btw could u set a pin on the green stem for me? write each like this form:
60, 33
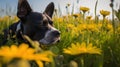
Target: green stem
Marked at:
96, 10
83, 16
82, 62
103, 23
53, 62
103, 19
113, 24
88, 40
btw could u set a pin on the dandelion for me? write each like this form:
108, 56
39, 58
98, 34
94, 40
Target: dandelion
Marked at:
99, 25
89, 17
109, 27
76, 15
78, 49
5, 19
64, 17
25, 53
82, 27
68, 4
92, 27
104, 13
73, 30
60, 19
84, 9
70, 26
15, 18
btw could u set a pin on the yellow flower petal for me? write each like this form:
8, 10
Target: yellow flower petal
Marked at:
84, 9
104, 12
40, 64
82, 48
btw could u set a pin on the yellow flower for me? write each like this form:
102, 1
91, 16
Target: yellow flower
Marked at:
82, 26
15, 18
5, 18
89, 17
60, 20
118, 30
76, 15
77, 49
25, 52
70, 26
92, 27
64, 17
109, 27
40, 64
84, 9
68, 4
73, 30
104, 13
99, 25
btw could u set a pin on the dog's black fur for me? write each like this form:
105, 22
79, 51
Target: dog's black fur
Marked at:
38, 26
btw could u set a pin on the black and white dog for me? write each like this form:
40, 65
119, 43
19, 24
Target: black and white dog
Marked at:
38, 26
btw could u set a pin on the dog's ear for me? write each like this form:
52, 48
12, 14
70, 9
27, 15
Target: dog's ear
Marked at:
49, 9
23, 9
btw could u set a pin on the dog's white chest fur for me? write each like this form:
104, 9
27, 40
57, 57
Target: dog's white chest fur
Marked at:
18, 26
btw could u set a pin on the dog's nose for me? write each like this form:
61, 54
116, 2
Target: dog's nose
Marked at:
56, 33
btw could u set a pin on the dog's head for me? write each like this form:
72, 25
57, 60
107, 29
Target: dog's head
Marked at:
38, 26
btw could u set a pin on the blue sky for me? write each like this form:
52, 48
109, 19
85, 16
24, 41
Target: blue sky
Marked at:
39, 5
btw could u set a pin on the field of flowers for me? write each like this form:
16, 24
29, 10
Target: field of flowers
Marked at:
85, 42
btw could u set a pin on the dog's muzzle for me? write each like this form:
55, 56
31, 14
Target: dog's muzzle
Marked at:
52, 36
